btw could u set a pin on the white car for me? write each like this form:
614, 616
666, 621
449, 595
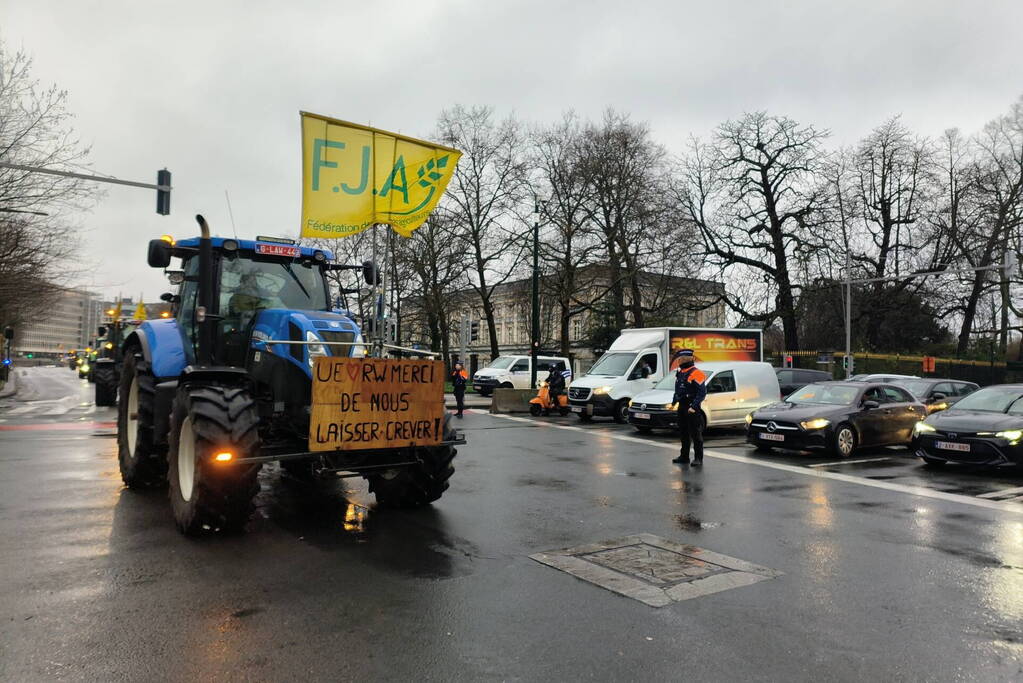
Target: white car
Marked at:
513, 372
734, 390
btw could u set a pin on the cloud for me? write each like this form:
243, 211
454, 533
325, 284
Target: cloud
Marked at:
212, 91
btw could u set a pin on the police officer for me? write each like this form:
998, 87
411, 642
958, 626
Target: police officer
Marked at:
459, 378
690, 390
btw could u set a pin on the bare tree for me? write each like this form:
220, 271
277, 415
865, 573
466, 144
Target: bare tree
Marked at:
625, 169
433, 263
757, 195
485, 197
997, 179
35, 250
569, 242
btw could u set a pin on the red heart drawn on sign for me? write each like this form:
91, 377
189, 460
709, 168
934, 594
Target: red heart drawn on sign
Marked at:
353, 370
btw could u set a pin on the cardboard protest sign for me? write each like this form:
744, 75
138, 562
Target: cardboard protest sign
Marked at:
371, 403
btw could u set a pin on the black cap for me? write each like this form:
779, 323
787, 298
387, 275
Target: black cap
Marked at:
685, 353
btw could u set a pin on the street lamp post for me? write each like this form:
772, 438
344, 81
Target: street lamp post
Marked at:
535, 333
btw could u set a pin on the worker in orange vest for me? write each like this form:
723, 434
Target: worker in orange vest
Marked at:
459, 378
690, 390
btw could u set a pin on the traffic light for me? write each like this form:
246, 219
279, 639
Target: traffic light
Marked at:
163, 178
788, 361
847, 363
474, 330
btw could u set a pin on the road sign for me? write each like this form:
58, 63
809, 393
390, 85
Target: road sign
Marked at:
371, 403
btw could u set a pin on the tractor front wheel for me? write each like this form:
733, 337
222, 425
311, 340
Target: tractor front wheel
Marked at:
206, 493
420, 484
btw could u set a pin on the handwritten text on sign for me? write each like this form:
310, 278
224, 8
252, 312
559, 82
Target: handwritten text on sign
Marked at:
368, 403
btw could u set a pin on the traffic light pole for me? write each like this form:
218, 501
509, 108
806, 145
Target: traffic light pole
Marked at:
162, 185
1007, 266
535, 347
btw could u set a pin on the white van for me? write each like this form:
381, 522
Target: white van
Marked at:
513, 372
640, 357
734, 390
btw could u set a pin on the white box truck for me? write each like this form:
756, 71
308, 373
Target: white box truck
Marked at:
640, 357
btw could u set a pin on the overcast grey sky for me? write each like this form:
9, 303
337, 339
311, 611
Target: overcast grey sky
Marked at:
212, 90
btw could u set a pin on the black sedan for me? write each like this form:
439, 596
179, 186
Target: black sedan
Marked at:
837, 416
937, 394
984, 428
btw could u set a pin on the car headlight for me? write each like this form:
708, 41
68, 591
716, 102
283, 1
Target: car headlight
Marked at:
749, 418
819, 423
631, 402
922, 428
671, 406
1012, 435
603, 390
315, 350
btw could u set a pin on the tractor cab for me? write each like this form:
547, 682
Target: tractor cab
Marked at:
261, 291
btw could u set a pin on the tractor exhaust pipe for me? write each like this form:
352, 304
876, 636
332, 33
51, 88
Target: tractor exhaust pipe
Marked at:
203, 311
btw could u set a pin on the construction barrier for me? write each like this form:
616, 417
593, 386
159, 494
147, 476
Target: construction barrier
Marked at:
511, 400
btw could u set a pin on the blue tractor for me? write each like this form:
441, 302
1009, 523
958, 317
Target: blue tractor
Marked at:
210, 395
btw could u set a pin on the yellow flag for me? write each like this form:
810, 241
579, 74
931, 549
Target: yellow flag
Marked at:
354, 176
140, 311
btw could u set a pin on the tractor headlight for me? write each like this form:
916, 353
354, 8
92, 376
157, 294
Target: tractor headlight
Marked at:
85, 367
819, 423
315, 350
922, 428
358, 350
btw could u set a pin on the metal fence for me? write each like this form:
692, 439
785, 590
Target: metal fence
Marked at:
981, 372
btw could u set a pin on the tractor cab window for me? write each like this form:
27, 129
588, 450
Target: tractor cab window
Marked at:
248, 285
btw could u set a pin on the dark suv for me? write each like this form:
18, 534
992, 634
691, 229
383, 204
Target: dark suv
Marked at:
790, 379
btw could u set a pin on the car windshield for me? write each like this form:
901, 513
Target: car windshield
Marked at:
917, 387
828, 394
612, 364
249, 285
993, 400
502, 362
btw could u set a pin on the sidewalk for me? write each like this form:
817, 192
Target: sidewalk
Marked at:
471, 401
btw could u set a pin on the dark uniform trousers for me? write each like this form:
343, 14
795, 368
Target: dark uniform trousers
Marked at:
690, 430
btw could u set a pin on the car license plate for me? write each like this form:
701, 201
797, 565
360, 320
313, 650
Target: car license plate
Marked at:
949, 446
772, 437
641, 416
577, 409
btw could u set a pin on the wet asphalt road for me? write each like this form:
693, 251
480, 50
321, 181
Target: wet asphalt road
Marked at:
890, 572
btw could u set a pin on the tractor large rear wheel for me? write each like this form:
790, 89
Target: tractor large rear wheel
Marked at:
420, 484
142, 465
106, 383
205, 493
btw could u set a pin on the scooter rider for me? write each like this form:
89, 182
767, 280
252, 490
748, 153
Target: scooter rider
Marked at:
555, 384
690, 390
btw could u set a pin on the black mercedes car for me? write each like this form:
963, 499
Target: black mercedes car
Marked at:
984, 428
837, 416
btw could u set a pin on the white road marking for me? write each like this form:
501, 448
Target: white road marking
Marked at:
1003, 506
1004, 493
849, 462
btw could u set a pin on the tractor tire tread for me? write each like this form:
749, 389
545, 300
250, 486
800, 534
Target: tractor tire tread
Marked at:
147, 466
221, 417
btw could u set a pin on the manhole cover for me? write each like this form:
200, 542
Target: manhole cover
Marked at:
654, 570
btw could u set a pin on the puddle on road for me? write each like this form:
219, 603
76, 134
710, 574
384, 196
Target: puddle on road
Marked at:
687, 521
549, 483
